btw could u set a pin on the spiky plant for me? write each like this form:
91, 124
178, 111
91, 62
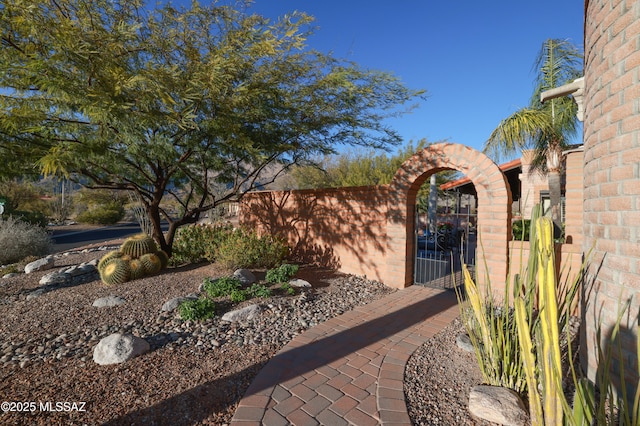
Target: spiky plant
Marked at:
117, 271
116, 254
164, 258
138, 245
137, 269
151, 262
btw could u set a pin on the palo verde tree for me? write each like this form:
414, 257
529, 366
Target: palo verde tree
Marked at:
170, 103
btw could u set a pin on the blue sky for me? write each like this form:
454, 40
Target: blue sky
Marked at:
475, 59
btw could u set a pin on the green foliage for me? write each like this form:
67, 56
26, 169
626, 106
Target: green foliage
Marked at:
287, 289
246, 249
168, 102
197, 310
521, 229
282, 273
138, 245
222, 286
195, 243
32, 218
102, 215
115, 272
238, 296
258, 290
19, 240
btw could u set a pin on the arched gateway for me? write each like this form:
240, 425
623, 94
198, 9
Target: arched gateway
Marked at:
368, 230
494, 210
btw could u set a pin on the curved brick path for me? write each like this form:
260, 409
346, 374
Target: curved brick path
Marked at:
350, 369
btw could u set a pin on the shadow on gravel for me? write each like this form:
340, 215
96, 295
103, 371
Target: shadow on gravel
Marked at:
222, 394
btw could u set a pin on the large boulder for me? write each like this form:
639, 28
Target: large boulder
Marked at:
498, 405
243, 314
39, 265
118, 348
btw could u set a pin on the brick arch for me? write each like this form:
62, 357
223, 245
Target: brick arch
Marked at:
494, 210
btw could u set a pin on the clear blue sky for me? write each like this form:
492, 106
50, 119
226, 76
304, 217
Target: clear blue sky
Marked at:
475, 59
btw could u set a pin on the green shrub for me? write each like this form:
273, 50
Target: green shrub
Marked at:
222, 286
287, 289
238, 296
195, 243
258, 290
197, 309
282, 273
31, 217
107, 214
246, 249
19, 239
521, 229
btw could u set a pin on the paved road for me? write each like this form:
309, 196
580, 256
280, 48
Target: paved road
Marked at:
64, 240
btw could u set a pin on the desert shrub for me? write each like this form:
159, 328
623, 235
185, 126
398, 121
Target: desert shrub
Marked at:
222, 286
197, 309
238, 296
258, 290
106, 214
287, 289
282, 273
195, 243
247, 249
19, 239
31, 217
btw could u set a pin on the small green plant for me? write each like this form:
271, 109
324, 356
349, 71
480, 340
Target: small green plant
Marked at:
238, 296
197, 309
521, 229
281, 274
222, 286
287, 289
259, 290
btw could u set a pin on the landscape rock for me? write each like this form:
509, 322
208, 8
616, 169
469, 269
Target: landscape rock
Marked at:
39, 265
55, 278
108, 301
11, 275
243, 314
296, 282
36, 293
118, 348
245, 276
497, 404
464, 342
172, 304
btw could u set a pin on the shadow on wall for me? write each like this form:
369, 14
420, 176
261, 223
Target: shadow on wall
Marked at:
340, 228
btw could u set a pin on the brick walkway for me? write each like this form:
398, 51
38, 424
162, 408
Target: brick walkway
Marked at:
350, 369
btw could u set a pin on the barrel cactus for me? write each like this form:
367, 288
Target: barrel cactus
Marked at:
138, 245
116, 254
117, 271
151, 262
164, 258
137, 269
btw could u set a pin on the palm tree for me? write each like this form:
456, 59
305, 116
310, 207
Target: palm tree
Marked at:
544, 127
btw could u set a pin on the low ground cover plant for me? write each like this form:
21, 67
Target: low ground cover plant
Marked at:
197, 309
282, 273
222, 286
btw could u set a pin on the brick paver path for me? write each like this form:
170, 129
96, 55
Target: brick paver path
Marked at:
348, 370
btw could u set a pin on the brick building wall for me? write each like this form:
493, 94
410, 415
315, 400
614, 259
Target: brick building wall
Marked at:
612, 172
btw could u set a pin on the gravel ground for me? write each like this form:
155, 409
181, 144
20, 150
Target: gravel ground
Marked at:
195, 372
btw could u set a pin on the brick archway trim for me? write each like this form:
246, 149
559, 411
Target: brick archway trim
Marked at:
494, 211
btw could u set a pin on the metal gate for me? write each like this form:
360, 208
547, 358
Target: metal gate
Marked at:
442, 248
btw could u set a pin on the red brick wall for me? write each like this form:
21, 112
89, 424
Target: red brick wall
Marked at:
369, 230
612, 170
343, 228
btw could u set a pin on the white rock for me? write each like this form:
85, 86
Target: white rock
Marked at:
108, 301
11, 275
243, 314
296, 282
497, 404
172, 304
245, 276
464, 342
39, 265
36, 293
117, 348
55, 278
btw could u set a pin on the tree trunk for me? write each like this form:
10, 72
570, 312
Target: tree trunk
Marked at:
553, 177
